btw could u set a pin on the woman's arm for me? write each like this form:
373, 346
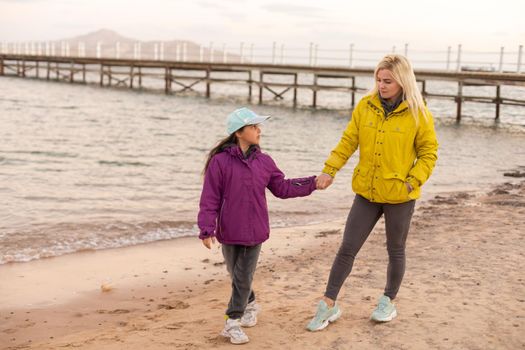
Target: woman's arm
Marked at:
345, 148
426, 145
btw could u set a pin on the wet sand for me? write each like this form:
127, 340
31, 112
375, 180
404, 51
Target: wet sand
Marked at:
464, 288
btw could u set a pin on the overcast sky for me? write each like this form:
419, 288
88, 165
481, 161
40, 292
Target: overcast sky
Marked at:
330, 23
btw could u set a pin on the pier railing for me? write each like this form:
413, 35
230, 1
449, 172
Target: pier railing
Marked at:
452, 58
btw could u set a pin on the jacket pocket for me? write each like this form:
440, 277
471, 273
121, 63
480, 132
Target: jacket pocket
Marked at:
393, 188
370, 122
360, 180
397, 130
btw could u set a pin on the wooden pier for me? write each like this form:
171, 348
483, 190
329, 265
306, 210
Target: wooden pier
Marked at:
130, 74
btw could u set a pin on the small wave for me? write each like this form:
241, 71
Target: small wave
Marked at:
11, 100
100, 238
49, 170
12, 161
46, 153
55, 154
50, 199
160, 118
101, 185
120, 163
198, 149
53, 107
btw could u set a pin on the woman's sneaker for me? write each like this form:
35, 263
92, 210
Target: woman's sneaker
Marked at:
323, 316
249, 319
385, 310
232, 329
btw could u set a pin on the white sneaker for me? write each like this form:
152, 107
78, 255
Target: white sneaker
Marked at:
232, 329
249, 319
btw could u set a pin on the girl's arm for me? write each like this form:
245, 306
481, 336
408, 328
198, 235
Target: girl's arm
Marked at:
289, 188
210, 202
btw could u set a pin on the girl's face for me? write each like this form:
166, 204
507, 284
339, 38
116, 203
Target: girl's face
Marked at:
250, 135
388, 88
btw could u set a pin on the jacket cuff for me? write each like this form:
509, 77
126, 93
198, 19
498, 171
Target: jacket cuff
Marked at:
413, 182
330, 170
206, 234
313, 184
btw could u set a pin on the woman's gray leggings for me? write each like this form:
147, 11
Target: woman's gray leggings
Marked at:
361, 220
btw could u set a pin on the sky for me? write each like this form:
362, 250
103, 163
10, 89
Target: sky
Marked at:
329, 23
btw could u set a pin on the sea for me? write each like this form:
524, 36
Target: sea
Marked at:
85, 168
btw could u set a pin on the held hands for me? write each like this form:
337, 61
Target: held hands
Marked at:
208, 242
323, 181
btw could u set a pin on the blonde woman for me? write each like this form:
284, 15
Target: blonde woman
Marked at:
394, 132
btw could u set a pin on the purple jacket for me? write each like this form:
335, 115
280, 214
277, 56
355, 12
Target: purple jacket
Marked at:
233, 201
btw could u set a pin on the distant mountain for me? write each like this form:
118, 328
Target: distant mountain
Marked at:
103, 35
112, 44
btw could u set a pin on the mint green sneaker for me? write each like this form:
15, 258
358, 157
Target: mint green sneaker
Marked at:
323, 316
385, 310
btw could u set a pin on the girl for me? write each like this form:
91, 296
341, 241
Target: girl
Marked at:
233, 210
394, 132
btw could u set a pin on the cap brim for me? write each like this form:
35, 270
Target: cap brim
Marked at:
258, 120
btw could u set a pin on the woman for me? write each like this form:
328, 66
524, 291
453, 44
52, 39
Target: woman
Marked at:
394, 132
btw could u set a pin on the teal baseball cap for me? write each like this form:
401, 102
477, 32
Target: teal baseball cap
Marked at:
242, 117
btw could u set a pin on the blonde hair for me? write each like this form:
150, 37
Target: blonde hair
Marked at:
402, 72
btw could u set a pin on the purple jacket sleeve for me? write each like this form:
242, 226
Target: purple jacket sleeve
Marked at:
289, 188
211, 198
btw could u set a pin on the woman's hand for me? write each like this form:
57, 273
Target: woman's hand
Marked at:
208, 242
323, 181
409, 187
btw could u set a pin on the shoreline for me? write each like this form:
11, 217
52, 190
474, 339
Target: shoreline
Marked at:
426, 196
461, 289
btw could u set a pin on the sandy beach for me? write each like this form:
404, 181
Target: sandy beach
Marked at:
464, 288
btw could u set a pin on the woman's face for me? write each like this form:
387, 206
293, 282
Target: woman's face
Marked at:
250, 134
388, 88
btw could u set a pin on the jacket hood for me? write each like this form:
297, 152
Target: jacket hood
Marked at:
234, 150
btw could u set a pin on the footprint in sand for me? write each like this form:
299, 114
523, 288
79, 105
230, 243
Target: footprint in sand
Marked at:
177, 305
217, 340
176, 325
27, 325
113, 312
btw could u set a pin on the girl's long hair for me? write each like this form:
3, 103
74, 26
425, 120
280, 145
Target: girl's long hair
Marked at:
403, 74
231, 139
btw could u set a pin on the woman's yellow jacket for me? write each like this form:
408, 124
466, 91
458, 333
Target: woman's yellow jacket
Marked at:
393, 149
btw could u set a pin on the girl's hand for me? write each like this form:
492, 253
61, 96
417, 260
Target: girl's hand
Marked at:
323, 181
208, 242
409, 187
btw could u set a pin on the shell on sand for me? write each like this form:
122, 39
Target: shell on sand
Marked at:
106, 287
